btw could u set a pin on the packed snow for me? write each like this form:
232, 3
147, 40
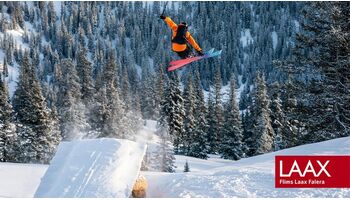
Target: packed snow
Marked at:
93, 168
20, 180
250, 177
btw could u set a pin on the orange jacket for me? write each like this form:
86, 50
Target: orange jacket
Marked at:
181, 47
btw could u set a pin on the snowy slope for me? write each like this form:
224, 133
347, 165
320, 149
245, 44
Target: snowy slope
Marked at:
250, 177
71, 173
93, 168
20, 180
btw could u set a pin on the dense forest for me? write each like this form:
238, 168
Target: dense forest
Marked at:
77, 70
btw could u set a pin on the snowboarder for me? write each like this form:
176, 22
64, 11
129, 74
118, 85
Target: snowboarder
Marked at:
180, 38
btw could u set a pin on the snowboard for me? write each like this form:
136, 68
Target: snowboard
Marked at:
176, 64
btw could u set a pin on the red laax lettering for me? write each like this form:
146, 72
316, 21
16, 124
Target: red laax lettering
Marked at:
312, 171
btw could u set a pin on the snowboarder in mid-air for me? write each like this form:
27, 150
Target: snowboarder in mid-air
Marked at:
180, 39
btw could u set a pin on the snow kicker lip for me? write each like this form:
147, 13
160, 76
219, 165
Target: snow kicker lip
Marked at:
93, 168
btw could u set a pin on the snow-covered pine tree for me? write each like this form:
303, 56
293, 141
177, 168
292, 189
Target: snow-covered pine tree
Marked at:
84, 72
211, 136
165, 153
37, 138
231, 146
55, 136
125, 88
262, 132
148, 94
293, 128
218, 117
321, 55
163, 104
114, 116
189, 120
71, 110
97, 118
175, 112
159, 89
8, 134
277, 118
199, 146
247, 131
166, 149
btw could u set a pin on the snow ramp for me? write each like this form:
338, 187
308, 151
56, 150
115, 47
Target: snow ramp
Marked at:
104, 168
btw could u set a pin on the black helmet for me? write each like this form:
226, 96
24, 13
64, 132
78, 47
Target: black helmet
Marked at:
184, 24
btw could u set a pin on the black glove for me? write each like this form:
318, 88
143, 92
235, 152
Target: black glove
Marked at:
200, 53
162, 16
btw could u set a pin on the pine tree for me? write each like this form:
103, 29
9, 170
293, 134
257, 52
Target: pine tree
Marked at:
163, 106
174, 110
84, 71
38, 139
189, 121
159, 88
199, 145
278, 122
293, 128
71, 110
262, 138
165, 151
114, 113
321, 59
55, 135
148, 105
247, 122
186, 167
99, 110
218, 117
125, 88
211, 137
231, 146
7, 128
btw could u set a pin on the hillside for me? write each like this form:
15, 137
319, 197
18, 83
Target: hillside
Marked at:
215, 177
249, 177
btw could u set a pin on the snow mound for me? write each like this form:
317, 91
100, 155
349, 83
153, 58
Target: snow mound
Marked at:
93, 168
250, 177
20, 180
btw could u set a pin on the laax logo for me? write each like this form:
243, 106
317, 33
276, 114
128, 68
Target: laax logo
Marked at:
308, 169
312, 171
